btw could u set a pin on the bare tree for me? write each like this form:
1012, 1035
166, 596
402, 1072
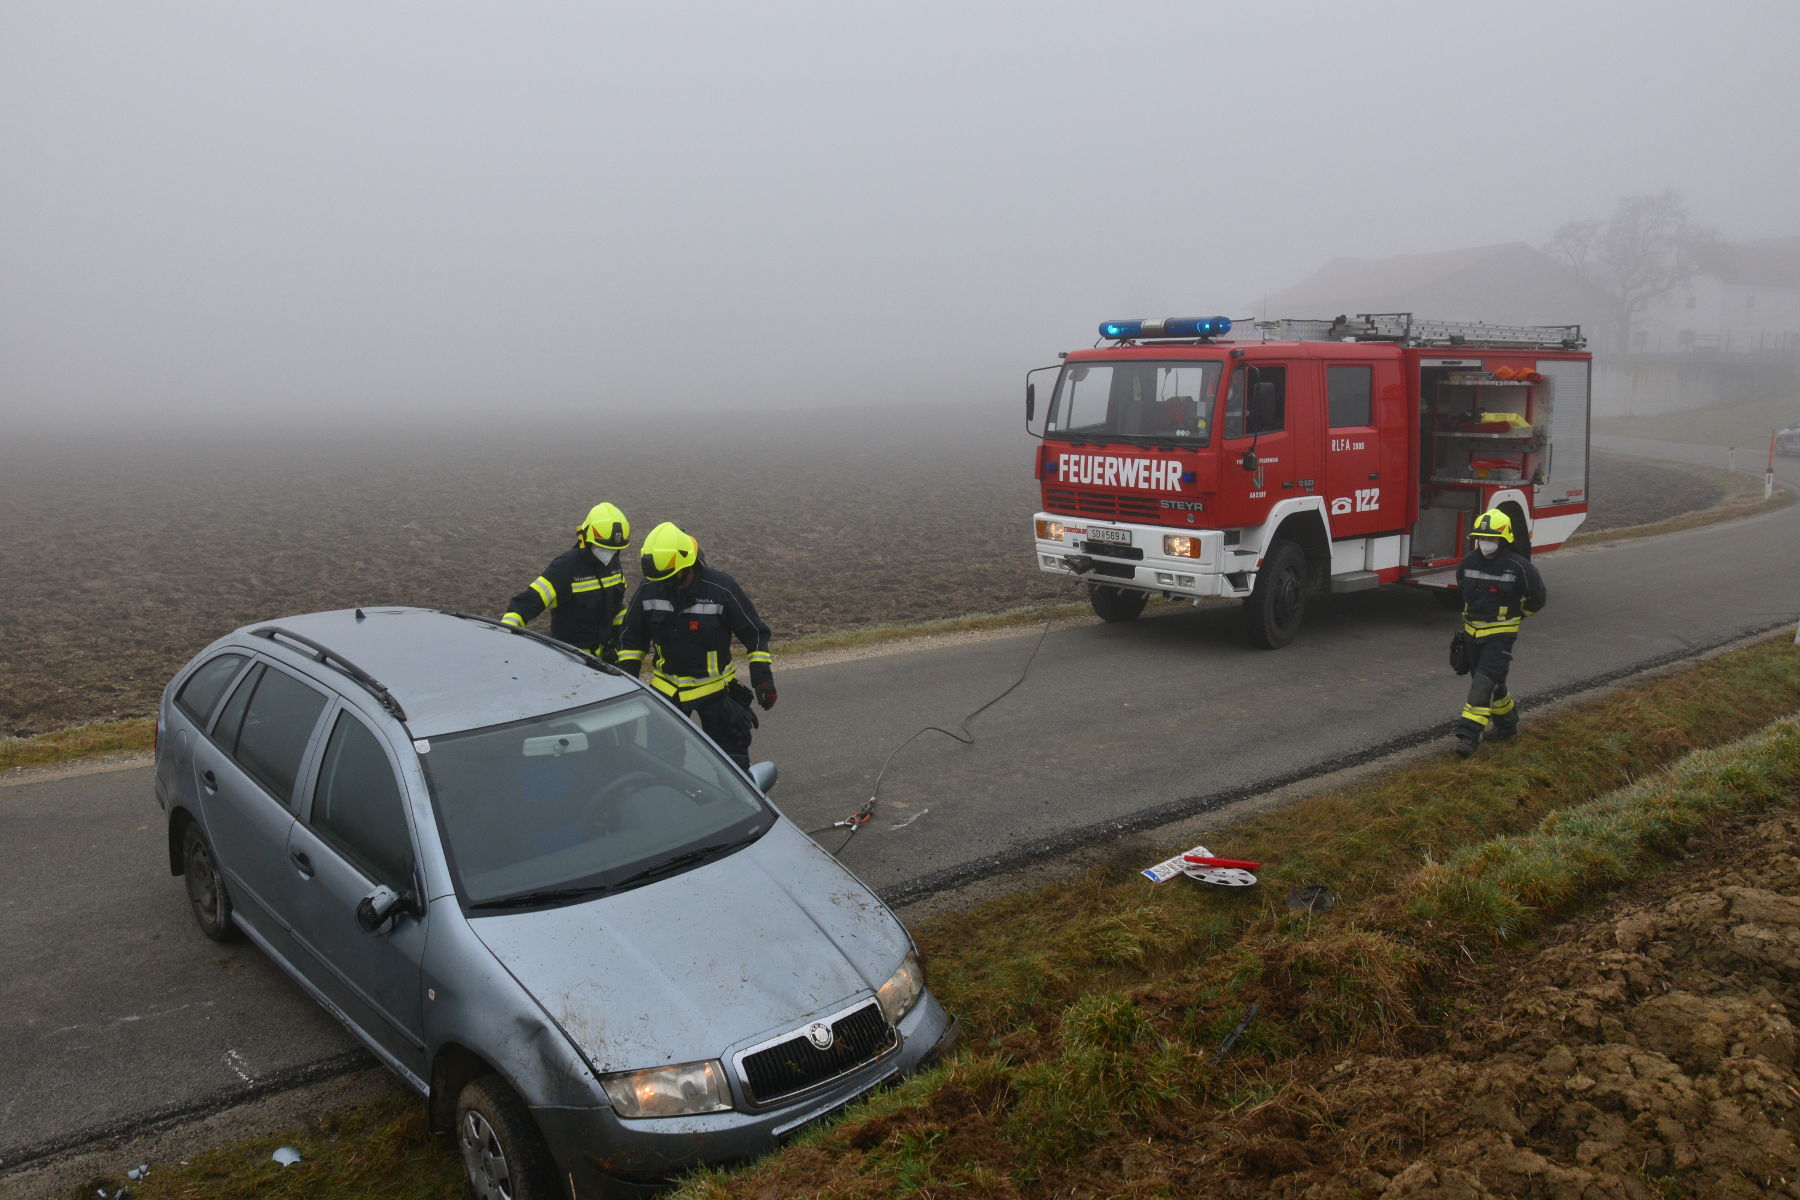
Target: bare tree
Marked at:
1649, 244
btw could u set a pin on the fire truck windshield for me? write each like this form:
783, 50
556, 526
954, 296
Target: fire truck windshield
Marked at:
1135, 401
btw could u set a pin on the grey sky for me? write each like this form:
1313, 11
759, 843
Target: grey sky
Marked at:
236, 207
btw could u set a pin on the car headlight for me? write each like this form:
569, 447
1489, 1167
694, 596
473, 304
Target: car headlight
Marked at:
1050, 531
1176, 545
696, 1087
902, 990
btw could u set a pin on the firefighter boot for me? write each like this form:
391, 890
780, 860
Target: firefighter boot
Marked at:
1466, 743
1505, 724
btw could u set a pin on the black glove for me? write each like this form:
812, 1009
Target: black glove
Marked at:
765, 693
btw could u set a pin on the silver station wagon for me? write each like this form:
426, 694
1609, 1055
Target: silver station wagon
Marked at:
536, 892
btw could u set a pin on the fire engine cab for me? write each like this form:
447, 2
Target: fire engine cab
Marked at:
1313, 456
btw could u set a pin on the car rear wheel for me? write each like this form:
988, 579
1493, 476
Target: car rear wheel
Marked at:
1116, 604
504, 1156
205, 887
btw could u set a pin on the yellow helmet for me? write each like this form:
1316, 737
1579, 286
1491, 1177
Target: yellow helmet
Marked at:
1492, 524
668, 551
604, 526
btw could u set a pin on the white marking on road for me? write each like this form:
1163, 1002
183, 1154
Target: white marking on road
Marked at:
909, 820
126, 1020
236, 1062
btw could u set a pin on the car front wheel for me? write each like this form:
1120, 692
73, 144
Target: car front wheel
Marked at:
205, 887
504, 1156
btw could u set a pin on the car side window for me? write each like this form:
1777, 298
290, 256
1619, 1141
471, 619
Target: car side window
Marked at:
231, 719
204, 687
358, 806
277, 724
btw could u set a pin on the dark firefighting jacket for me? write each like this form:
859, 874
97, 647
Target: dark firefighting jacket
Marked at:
585, 596
1498, 592
692, 628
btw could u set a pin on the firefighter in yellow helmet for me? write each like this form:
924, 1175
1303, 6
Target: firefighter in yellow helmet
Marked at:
690, 612
583, 587
1500, 588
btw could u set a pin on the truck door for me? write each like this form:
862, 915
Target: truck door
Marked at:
1286, 440
1366, 454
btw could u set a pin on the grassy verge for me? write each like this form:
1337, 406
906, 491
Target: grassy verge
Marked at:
1094, 1008
1743, 497
1746, 425
84, 741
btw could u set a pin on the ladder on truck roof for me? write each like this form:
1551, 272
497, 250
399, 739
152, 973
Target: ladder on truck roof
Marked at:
1408, 330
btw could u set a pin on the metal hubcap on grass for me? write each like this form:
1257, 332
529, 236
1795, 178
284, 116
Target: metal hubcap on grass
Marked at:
483, 1160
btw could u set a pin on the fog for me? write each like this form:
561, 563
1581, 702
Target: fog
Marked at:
220, 213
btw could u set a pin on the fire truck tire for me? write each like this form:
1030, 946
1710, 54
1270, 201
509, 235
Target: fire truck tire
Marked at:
1116, 604
1277, 601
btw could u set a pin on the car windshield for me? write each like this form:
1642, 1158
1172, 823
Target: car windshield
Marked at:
1145, 402
579, 803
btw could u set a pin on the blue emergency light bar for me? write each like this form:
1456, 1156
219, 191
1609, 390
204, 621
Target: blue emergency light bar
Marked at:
1168, 327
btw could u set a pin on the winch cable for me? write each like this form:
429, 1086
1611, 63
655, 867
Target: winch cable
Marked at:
860, 817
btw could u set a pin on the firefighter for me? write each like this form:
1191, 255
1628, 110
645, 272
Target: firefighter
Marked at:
583, 587
690, 612
1500, 588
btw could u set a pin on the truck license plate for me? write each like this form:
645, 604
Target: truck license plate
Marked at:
1121, 536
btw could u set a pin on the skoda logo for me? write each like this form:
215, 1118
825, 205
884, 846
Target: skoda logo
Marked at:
820, 1035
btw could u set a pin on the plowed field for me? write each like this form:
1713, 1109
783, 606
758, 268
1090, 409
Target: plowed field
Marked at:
122, 556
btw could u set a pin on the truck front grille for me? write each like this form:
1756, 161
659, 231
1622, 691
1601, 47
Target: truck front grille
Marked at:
1118, 505
794, 1064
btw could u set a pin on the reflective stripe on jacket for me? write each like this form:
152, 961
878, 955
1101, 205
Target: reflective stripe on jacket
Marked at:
585, 596
1499, 592
692, 629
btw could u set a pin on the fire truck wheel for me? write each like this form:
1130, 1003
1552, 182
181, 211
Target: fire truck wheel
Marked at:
1276, 603
1116, 604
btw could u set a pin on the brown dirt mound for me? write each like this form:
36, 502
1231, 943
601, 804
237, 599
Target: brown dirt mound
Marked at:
1649, 1053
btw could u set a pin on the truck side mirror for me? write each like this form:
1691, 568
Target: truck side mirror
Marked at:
1249, 462
1030, 402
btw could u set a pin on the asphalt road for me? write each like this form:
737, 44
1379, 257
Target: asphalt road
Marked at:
115, 1011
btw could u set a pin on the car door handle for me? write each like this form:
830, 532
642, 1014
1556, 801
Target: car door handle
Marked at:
302, 863
210, 780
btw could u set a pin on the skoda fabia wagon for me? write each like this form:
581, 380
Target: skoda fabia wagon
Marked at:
534, 891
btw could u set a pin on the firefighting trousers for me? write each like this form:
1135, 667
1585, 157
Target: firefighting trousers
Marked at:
1490, 705
727, 723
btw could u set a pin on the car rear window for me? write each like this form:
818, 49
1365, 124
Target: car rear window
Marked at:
204, 687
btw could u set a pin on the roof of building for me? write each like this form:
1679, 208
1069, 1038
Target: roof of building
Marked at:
1771, 262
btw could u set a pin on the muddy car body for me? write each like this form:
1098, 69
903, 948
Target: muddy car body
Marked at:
535, 892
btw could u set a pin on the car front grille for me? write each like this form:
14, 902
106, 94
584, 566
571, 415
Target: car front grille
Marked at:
1071, 502
794, 1064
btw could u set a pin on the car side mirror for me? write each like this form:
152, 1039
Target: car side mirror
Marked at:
764, 775
374, 909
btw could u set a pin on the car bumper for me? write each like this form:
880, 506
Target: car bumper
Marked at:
599, 1154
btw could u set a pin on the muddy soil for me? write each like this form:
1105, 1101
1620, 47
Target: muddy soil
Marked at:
124, 557
1649, 1052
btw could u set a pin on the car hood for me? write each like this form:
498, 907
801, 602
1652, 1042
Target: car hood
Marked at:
685, 968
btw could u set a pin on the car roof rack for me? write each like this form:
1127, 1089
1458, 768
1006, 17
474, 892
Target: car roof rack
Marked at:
330, 657
575, 652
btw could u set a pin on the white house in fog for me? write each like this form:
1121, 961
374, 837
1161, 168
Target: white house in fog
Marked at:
1745, 301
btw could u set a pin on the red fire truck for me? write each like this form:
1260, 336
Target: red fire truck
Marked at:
1312, 456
